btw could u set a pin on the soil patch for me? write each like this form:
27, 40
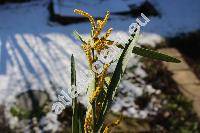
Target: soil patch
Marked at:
176, 114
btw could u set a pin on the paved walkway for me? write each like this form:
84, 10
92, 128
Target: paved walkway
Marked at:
188, 83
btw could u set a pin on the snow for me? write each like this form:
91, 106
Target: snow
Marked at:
130, 89
151, 39
36, 52
97, 8
50, 123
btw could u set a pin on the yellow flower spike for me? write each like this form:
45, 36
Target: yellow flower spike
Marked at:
101, 24
85, 14
87, 50
95, 94
101, 78
105, 20
108, 32
106, 17
100, 44
96, 43
88, 121
97, 29
100, 47
113, 124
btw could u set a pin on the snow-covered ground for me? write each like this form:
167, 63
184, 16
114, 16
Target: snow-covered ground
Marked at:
35, 51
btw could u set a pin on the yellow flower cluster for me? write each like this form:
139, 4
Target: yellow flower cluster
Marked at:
100, 25
96, 43
91, 47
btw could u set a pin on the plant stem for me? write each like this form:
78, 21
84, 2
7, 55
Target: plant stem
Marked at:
75, 120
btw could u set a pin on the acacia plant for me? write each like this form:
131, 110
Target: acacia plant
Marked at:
103, 89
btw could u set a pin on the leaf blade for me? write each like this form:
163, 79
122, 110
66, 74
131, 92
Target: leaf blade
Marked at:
76, 127
117, 75
154, 54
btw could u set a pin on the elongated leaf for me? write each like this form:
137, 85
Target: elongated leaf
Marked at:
76, 128
78, 37
154, 55
117, 75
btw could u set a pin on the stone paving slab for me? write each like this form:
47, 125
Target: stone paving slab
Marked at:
191, 91
188, 82
185, 77
194, 89
171, 51
177, 66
